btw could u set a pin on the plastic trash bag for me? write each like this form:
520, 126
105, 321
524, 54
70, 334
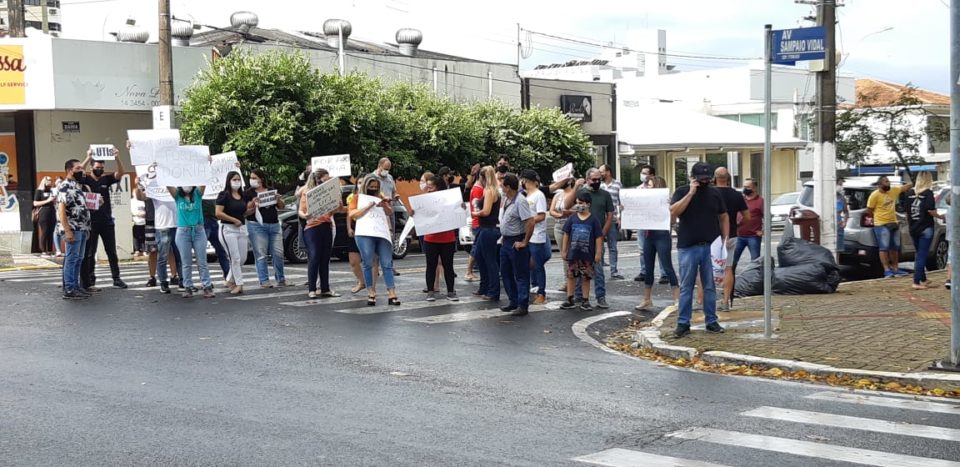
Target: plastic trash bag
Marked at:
750, 281
803, 279
794, 251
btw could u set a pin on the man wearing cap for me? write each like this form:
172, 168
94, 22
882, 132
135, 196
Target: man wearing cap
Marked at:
703, 217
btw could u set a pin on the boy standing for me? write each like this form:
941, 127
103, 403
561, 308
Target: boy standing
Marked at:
582, 245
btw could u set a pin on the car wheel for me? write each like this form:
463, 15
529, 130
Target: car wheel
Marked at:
294, 249
940, 256
400, 248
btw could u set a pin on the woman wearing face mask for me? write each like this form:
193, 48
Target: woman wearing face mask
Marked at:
539, 244
487, 214
353, 252
372, 246
439, 249
657, 243
231, 210
46, 217
191, 238
265, 231
560, 214
423, 189
318, 237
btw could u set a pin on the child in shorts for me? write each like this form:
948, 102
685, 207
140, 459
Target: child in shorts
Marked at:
582, 244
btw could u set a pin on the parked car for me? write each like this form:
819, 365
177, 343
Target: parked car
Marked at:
780, 209
860, 246
295, 251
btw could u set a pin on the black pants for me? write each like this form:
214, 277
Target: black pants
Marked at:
444, 252
319, 241
99, 231
46, 226
140, 238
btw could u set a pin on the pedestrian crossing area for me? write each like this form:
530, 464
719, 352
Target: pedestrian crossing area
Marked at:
814, 450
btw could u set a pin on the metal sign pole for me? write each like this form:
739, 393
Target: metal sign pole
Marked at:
954, 211
767, 192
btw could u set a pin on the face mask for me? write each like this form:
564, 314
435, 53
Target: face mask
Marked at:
595, 185
747, 191
77, 174
372, 192
254, 183
423, 186
98, 172
643, 178
704, 181
238, 184
384, 172
580, 208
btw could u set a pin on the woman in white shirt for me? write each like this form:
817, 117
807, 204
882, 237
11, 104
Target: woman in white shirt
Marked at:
539, 243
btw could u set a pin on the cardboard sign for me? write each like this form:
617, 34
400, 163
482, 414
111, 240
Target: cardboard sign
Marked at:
220, 166
323, 198
374, 223
102, 152
92, 201
563, 173
440, 211
645, 209
267, 198
149, 146
718, 258
338, 165
185, 166
152, 189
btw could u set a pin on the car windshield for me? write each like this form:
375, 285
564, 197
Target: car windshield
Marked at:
786, 198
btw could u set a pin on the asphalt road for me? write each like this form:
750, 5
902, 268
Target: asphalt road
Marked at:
134, 378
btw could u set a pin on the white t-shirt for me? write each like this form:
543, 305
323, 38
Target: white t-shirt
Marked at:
164, 214
138, 207
538, 204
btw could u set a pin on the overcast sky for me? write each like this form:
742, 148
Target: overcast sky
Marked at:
915, 50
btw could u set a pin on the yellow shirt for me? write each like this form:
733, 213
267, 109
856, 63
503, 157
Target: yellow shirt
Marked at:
884, 206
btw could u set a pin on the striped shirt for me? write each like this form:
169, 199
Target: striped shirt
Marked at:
614, 189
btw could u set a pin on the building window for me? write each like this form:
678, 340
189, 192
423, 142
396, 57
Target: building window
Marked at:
752, 119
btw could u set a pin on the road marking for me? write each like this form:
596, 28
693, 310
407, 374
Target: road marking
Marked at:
477, 314
936, 407
855, 423
580, 330
195, 278
285, 293
809, 449
382, 306
617, 457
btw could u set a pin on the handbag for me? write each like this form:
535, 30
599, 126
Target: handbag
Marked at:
36, 215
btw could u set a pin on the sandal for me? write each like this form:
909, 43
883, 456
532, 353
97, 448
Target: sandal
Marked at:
371, 300
236, 290
643, 306
357, 289
393, 301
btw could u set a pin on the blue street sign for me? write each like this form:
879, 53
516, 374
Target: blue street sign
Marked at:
796, 45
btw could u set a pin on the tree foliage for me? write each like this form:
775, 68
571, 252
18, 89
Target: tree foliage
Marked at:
276, 111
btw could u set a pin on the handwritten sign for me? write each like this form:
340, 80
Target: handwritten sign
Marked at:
374, 223
645, 209
92, 201
338, 165
718, 258
102, 152
267, 198
153, 190
185, 166
563, 173
407, 228
323, 198
149, 146
220, 166
440, 211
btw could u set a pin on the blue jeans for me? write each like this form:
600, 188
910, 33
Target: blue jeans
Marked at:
165, 243
640, 235
840, 246
887, 240
753, 243
922, 244
72, 261
487, 262
515, 271
57, 238
212, 229
267, 239
612, 237
540, 253
370, 248
193, 240
693, 260
658, 243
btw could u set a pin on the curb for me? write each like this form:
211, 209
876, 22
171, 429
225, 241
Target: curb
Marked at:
649, 338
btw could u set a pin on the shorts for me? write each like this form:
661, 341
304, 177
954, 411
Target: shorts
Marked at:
887, 239
580, 268
150, 237
731, 247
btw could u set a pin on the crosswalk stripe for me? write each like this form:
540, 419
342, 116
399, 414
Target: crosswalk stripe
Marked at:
300, 290
855, 423
381, 307
617, 457
809, 449
477, 314
897, 403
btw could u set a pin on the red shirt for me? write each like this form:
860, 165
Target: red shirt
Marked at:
755, 224
475, 193
449, 236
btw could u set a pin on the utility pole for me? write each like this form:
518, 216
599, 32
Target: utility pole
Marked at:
166, 55
766, 180
15, 18
954, 211
44, 17
825, 149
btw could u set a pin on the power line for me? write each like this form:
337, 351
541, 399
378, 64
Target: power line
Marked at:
627, 49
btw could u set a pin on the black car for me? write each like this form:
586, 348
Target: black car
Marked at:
295, 250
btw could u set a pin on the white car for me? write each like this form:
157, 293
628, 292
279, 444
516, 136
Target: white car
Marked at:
780, 209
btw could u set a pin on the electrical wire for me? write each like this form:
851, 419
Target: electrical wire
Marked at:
627, 49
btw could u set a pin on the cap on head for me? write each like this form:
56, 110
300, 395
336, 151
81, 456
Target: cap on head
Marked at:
530, 174
701, 170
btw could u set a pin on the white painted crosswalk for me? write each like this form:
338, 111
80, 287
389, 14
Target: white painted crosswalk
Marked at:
746, 444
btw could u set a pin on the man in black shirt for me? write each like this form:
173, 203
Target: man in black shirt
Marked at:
102, 223
735, 203
703, 218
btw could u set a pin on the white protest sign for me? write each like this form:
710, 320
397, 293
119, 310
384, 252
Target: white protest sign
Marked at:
149, 146
338, 165
102, 152
718, 257
645, 209
185, 166
439, 211
220, 166
148, 178
323, 198
374, 223
267, 198
91, 201
563, 173
407, 228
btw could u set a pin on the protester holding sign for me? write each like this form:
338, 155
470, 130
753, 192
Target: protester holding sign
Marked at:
191, 238
318, 237
102, 222
371, 209
657, 243
232, 209
441, 247
263, 226
353, 252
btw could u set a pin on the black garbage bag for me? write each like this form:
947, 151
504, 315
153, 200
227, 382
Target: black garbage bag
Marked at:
794, 251
749, 282
803, 279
